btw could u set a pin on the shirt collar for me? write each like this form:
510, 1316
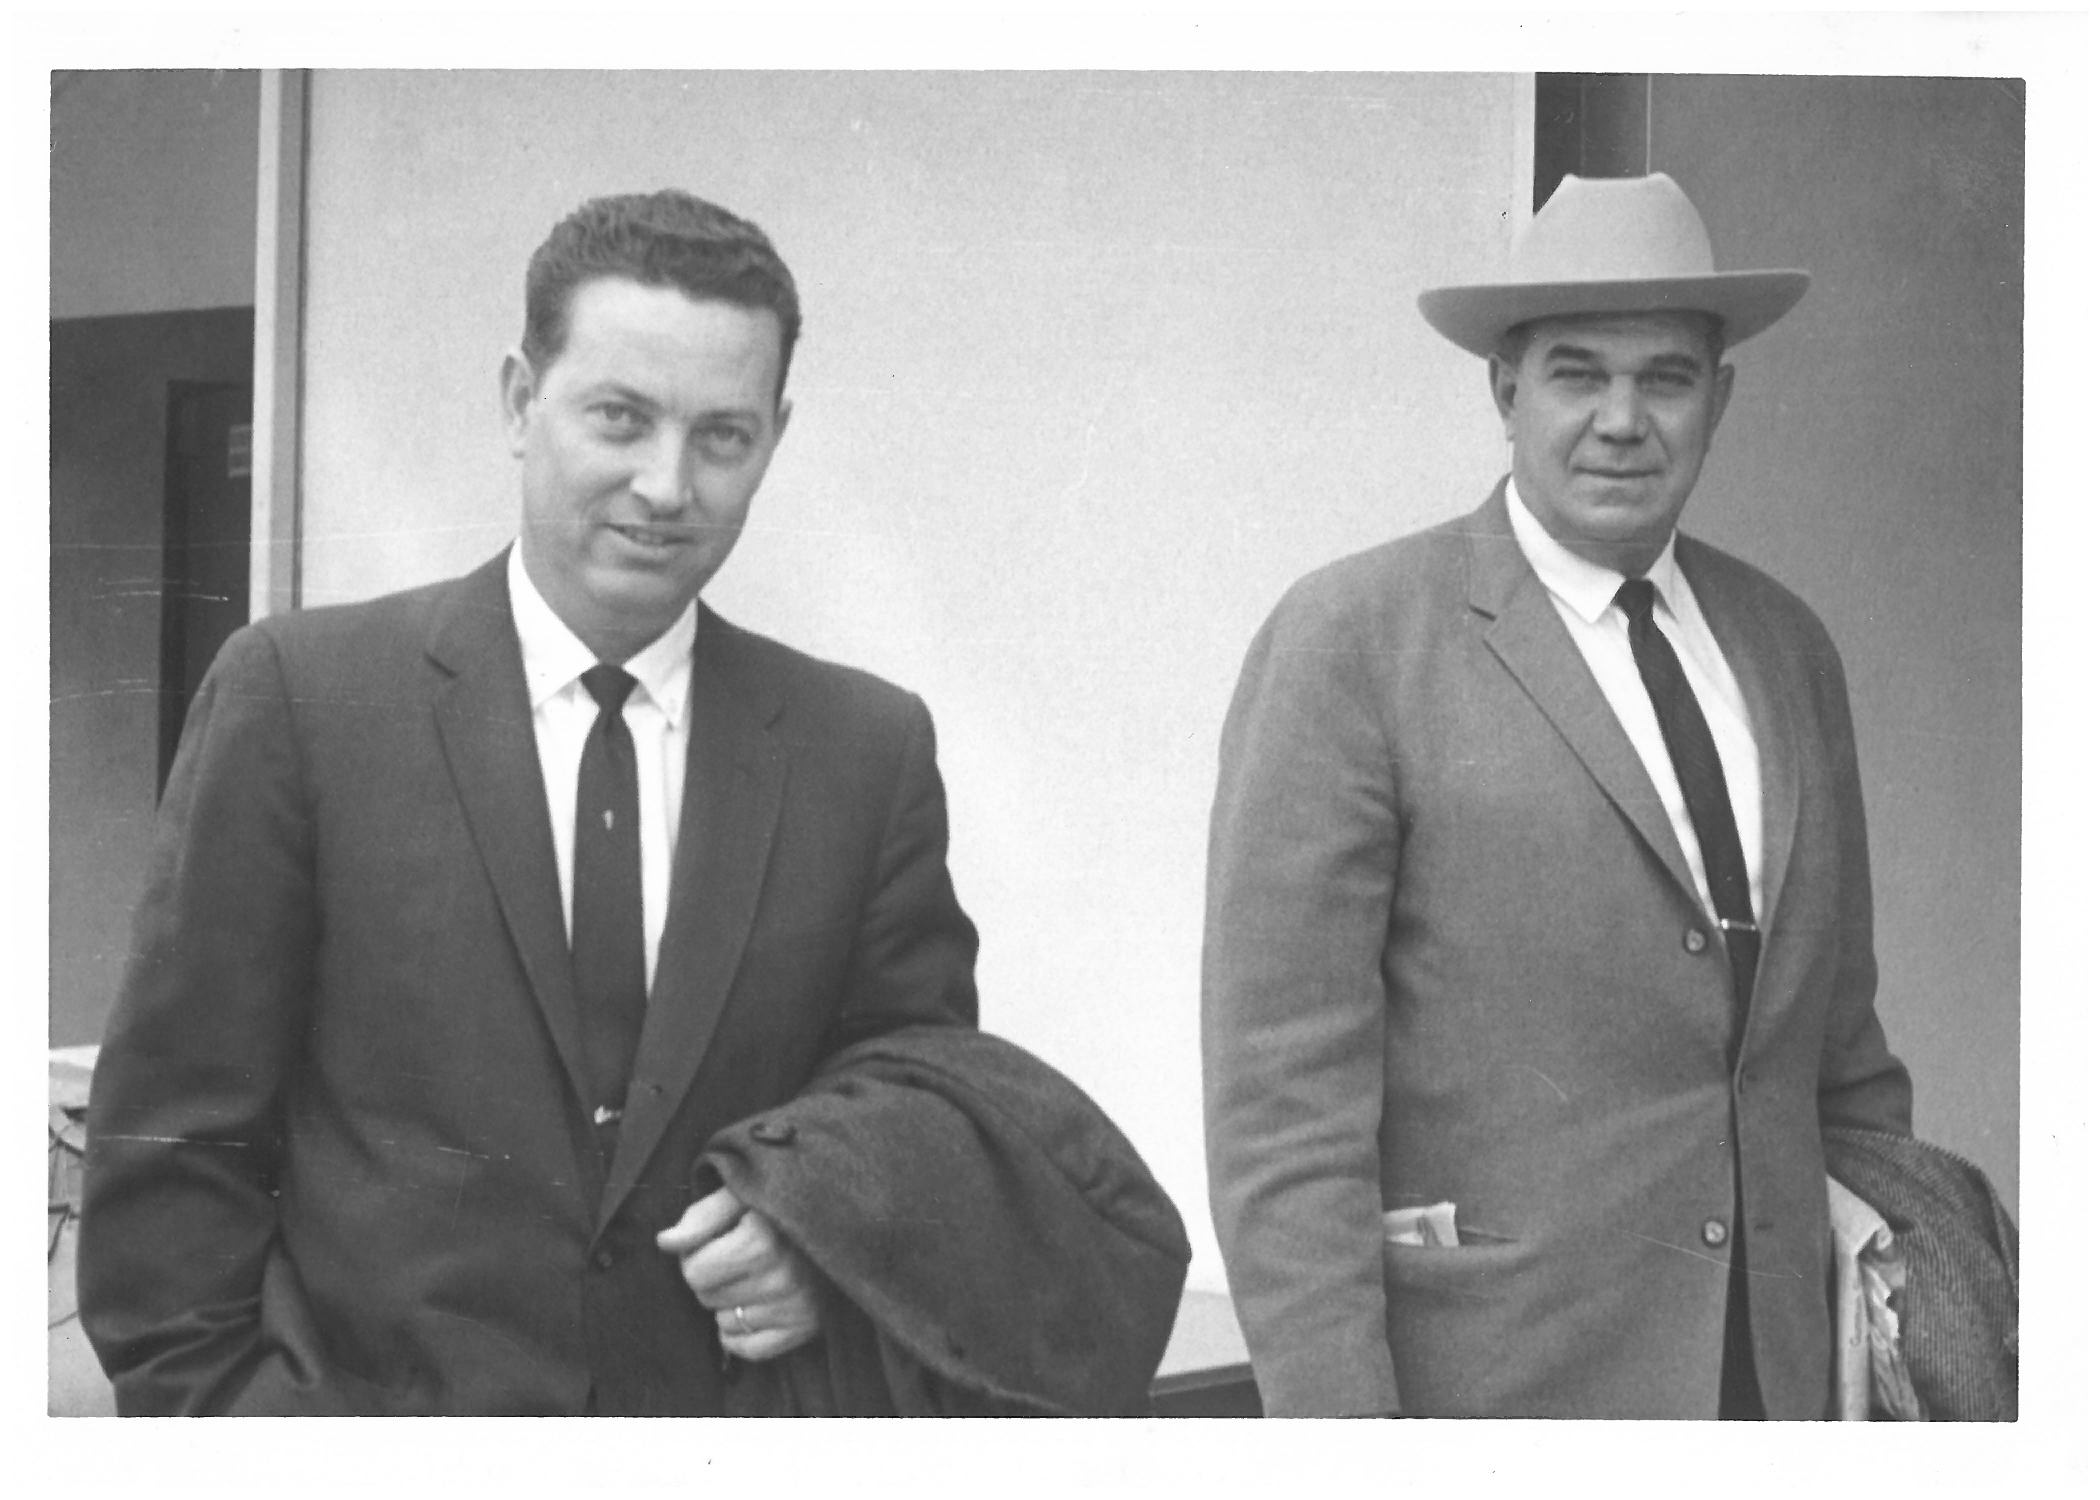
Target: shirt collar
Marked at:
555, 658
1586, 587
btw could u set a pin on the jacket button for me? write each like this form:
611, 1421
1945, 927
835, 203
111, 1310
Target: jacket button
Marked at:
1714, 1232
604, 1259
773, 1132
1694, 940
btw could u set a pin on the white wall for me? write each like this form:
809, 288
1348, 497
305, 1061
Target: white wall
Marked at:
1095, 364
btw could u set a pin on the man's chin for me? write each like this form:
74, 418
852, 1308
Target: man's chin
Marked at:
640, 595
650, 593
1623, 537
1625, 511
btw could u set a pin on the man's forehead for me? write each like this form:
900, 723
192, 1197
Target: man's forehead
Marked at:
614, 288
1657, 334
623, 325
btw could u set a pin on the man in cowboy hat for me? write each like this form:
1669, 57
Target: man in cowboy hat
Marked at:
1539, 945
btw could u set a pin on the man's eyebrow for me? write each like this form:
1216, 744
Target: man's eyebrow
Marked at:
1582, 354
620, 391
623, 392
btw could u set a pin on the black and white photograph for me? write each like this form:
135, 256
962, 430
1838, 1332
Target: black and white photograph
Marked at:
1218, 722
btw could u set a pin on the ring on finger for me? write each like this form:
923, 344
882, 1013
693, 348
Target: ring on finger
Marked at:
743, 1324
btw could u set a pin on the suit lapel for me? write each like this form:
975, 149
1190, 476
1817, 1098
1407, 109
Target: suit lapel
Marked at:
1525, 632
484, 720
1776, 715
734, 778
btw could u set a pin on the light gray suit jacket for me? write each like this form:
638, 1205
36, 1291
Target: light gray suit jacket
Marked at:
1454, 951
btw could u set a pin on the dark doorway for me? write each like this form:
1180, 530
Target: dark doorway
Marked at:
204, 543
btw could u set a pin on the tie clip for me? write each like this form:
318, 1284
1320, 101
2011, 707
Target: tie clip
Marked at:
605, 1114
1730, 924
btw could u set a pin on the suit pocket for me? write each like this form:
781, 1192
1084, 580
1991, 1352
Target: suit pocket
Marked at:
1477, 1268
1458, 1320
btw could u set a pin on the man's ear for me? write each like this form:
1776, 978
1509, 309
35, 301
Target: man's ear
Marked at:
1724, 387
1502, 383
518, 387
780, 421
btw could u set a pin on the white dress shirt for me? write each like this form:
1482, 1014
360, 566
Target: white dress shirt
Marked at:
562, 714
1582, 593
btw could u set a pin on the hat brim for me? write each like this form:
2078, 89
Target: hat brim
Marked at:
1746, 302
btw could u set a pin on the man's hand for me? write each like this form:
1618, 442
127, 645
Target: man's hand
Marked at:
760, 1288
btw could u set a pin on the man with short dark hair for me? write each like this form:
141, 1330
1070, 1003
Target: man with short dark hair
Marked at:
1539, 947
477, 910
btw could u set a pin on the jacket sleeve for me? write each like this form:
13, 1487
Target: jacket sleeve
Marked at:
1303, 851
178, 1220
914, 953
1860, 1082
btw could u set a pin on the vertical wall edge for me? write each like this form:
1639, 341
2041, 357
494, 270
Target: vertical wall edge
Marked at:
280, 294
1524, 95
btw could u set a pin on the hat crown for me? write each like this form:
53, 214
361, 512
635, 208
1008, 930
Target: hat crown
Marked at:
1613, 229
1606, 246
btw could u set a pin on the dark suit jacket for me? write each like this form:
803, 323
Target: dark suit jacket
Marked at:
339, 1159
1454, 951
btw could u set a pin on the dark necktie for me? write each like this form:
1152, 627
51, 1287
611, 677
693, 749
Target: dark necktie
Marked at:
605, 924
1705, 788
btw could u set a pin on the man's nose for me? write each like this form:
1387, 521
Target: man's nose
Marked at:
663, 479
1620, 414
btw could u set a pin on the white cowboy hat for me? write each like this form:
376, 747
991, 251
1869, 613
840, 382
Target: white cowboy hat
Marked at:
1612, 245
